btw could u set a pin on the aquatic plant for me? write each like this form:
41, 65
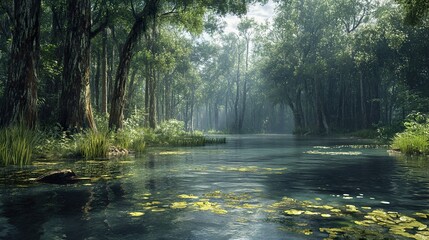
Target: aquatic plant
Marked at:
17, 144
123, 138
92, 144
138, 145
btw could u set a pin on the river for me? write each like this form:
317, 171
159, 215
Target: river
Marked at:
252, 187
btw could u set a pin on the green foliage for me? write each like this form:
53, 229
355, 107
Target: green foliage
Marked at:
93, 144
172, 133
415, 138
138, 145
56, 144
171, 129
416, 11
17, 144
123, 138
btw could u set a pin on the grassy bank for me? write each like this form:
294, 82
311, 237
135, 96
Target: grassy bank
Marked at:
414, 139
19, 145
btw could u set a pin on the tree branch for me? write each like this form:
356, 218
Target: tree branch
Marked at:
101, 27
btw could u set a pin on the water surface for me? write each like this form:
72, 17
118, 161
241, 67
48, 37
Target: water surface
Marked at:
253, 187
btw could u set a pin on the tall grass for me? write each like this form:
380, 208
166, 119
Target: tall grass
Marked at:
138, 145
93, 144
411, 143
17, 144
415, 138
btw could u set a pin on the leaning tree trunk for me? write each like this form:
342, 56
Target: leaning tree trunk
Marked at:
20, 104
118, 96
75, 109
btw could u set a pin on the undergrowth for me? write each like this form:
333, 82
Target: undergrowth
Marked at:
17, 144
415, 138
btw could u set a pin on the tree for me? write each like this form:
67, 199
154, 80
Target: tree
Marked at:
245, 29
20, 99
75, 100
416, 11
189, 14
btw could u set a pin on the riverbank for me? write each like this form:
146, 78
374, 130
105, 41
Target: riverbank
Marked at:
20, 146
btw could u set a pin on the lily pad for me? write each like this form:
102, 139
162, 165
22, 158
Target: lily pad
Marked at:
293, 212
187, 196
136, 214
179, 205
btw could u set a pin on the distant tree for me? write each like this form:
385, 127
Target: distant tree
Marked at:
185, 13
245, 28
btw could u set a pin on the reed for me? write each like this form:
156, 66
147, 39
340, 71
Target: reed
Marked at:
93, 144
17, 144
138, 145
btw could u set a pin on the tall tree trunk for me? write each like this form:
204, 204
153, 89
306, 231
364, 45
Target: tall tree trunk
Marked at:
216, 116
237, 94
118, 96
97, 83
362, 103
146, 93
167, 98
130, 92
246, 76
152, 99
104, 74
20, 103
75, 109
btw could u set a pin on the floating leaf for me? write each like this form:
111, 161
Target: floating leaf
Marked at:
187, 196
421, 215
311, 213
352, 209
136, 214
251, 206
158, 209
294, 212
178, 205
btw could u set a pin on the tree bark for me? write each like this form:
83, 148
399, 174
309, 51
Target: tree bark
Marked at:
104, 74
20, 103
75, 108
118, 96
96, 83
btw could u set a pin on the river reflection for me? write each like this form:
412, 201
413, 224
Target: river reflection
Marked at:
253, 187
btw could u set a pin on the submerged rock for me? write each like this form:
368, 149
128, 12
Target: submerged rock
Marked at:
63, 176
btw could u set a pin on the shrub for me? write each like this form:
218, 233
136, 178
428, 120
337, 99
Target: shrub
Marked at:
17, 144
123, 138
415, 138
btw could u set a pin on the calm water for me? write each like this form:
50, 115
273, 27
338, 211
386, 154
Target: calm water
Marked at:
231, 191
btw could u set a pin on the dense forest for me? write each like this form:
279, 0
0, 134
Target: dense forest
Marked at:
319, 67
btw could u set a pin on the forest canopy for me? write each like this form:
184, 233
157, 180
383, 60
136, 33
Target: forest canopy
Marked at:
318, 67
